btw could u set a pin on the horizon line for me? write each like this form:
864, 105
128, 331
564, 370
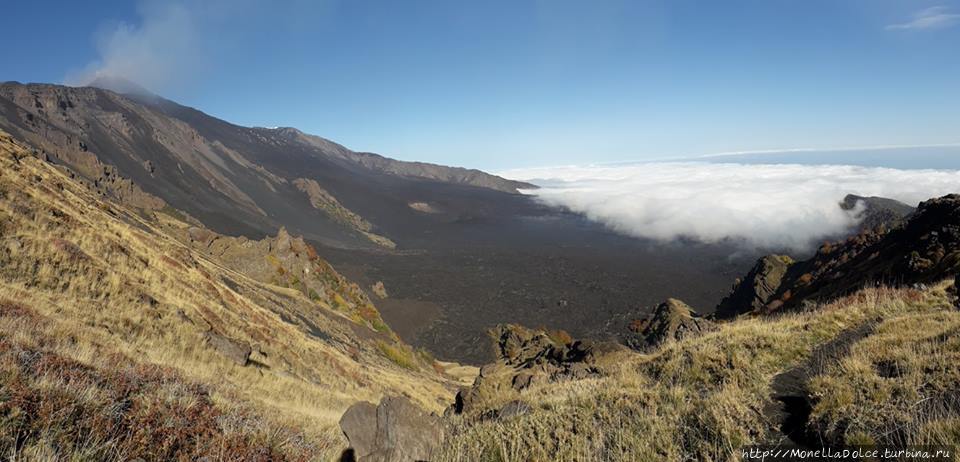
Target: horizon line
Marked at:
694, 158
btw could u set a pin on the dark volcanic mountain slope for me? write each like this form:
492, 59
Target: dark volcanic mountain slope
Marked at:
376, 162
236, 179
468, 254
382, 198
924, 249
877, 211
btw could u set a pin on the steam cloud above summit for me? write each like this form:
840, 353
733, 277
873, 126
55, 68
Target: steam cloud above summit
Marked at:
160, 51
770, 206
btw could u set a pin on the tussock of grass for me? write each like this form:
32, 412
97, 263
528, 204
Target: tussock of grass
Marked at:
900, 386
399, 355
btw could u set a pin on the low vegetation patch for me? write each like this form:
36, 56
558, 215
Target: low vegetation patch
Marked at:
121, 295
400, 355
703, 398
900, 386
54, 407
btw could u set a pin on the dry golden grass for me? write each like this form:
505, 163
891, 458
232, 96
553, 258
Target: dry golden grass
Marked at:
700, 398
900, 386
463, 375
110, 407
118, 288
116, 277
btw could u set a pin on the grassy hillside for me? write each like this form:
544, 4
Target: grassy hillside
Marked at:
106, 288
705, 397
131, 332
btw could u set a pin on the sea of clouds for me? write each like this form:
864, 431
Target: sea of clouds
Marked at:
764, 206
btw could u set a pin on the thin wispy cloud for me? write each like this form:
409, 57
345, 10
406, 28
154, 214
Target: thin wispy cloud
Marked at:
937, 17
764, 206
884, 147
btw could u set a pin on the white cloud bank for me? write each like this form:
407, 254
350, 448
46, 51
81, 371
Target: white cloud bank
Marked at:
769, 206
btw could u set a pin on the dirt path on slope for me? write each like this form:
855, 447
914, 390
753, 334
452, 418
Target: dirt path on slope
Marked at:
791, 405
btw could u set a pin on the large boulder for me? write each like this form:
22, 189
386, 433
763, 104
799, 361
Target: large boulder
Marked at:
396, 430
234, 350
517, 346
526, 357
671, 321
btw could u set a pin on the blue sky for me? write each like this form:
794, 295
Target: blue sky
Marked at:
505, 84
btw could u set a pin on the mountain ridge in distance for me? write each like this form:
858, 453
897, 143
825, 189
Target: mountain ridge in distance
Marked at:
370, 160
158, 144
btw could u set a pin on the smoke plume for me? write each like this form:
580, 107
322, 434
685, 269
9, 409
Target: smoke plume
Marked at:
159, 51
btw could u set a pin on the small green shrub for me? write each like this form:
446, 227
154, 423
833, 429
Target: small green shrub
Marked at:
398, 355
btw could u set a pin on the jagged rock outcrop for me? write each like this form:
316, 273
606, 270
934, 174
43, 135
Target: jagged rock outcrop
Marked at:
926, 248
526, 357
288, 261
321, 199
525, 348
923, 249
671, 321
396, 430
757, 289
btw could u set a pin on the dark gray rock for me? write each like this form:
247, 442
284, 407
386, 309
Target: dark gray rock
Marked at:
671, 321
513, 409
757, 289
462, 401
577, 371
519, 346
527, 357
523, 380
396, 430
359, 424
956, 290
234, 350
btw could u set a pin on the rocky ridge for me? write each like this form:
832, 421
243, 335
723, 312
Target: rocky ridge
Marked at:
923, 249
154, 153
671, 321
527, 357
876, 212
423, 170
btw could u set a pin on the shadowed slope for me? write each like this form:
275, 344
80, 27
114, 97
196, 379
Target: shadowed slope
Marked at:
235, 179
922, 249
